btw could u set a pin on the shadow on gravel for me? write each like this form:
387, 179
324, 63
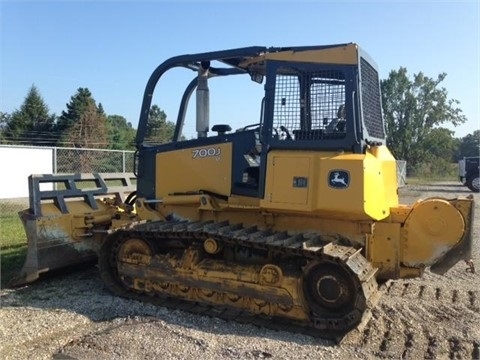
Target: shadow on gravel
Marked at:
82, 292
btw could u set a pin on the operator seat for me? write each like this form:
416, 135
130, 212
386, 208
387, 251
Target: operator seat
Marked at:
337, 124
221, 129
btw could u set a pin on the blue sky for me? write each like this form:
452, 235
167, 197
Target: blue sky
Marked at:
111, 47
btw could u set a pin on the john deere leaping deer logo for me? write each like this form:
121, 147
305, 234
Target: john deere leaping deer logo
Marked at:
338, 179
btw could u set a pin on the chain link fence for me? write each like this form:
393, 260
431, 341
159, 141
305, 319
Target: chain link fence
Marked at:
21, 159
75, 160
401, 173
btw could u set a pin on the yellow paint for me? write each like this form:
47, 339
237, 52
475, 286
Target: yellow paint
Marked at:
206, 167
415, 237
347, 54
383, 250
408, 273
218, 283
349, 202
388, 168
433, 227
369, 195
285, 170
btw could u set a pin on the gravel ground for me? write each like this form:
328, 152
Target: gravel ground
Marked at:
73, 317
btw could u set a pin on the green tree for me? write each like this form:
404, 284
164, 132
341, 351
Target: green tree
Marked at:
121, 134
84, 123
100, 109
89, 131
412, 109
440, 152
470, 145
4, 119
440, 143
32, 123
159, 130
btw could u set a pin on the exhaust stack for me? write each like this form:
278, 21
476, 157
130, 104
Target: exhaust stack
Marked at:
203, 100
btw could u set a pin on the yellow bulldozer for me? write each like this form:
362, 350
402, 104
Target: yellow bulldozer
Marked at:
289, 222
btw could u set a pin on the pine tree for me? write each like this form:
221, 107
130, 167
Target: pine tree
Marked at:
75, 108
121, 134
84, 123
89, 131
159, 130
31, 124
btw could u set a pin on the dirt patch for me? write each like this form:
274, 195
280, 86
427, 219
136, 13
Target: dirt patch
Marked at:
73, 317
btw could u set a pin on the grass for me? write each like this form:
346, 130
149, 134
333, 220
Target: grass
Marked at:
428, 173
13, 241
424, 180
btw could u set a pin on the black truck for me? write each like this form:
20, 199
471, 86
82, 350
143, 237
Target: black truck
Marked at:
468, 171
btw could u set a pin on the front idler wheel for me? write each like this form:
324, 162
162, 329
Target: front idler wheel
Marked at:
117, 248
133, 251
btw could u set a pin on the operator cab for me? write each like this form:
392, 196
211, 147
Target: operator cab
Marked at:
315, 98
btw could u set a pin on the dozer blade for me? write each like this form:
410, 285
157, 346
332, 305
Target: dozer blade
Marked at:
68, 217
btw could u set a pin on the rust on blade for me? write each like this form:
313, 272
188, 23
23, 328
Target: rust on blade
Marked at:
65, 227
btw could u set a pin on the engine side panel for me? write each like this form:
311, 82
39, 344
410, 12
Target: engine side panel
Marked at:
337, 185
200, 168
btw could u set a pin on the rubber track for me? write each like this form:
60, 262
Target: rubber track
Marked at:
307, 245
